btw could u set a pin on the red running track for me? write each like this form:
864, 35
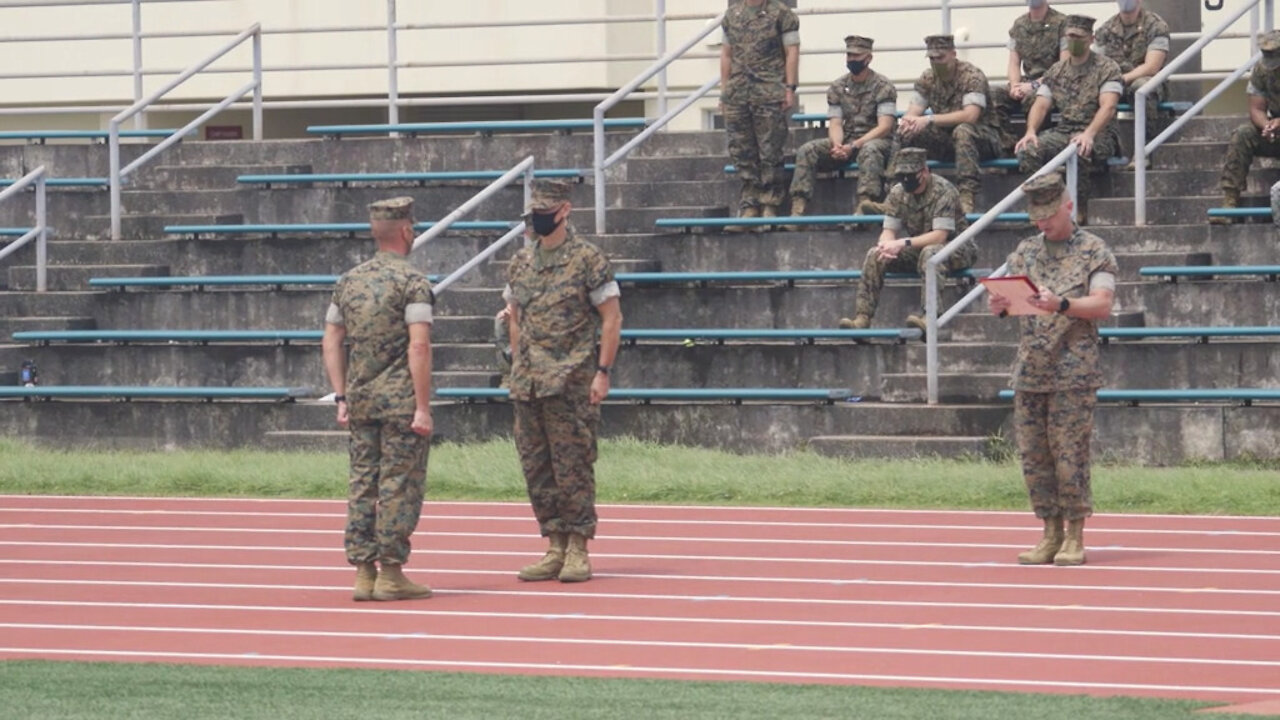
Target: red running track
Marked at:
1180, 607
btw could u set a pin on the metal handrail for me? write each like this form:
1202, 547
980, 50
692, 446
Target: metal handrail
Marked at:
1141, 148
524, 169
40, 232
1069, 157
600, 163
118, 174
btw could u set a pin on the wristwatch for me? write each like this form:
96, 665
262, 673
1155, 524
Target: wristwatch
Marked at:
339, 398
793, 88
1062, 306
906, 243
604, 369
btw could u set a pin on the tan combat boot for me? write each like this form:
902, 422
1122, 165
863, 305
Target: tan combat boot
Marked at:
1048, 547
548, 568
747, 212
766, 211
366, 575
1072, 552
798, 206
968, 200
1230, 199
393, 585
859, 322
917, 321
577, 566
871, 207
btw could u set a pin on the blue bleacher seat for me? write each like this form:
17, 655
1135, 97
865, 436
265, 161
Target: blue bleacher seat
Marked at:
148, 392
1240, 212
828, 395
481, 126
65, 182
1173, 272
321, 228
1201, 334
787, 276
810, 220
1244, 396
99, 135
167, 336
401, 177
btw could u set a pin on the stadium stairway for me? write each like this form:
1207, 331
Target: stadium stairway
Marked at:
673, 175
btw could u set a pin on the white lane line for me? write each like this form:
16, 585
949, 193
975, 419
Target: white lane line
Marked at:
613, 642
701, 509
664, 577
635, 538
645, 670
986, 565
734, 600
339, 517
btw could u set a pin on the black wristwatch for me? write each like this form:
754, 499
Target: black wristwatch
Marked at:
339, 398
793, 88
1062, 306
604, 369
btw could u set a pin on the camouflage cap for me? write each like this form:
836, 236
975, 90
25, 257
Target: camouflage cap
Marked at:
938, 44
1269, 40
1044, 195
910, 161
1079, 22
857, 45
398, 208
547, 194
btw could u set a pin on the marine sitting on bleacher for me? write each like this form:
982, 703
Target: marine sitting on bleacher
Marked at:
1259, 136
962, 127
1036, 42
925, 208
862, 106
1138, 40
1085, 89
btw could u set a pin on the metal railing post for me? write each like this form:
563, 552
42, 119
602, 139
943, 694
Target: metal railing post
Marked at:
1073, 183
528, 188
946, 17
1270, 14
524, 169
393, 70
257, 84
931, 331
113, 158
139, 121
42, 240
597, 168
1140, 158
1255, 24
662, 50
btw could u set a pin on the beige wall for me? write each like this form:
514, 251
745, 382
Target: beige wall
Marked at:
511, 51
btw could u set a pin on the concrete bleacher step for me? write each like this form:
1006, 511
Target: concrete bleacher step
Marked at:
76, 277
899, 447
979, 326
1104, 211
640, 219
464, 378
1187, 181
953, 387
206, 177
691, 168
10, 325
138, 226
1130, 263
1204, 155
674, 192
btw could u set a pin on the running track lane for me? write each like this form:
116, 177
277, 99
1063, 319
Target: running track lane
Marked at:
1168, 606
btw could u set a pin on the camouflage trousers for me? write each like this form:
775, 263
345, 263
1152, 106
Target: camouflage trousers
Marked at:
502, 349
967, 144
815, 156
385, 490
1054, 430
1246, 143
757, 139
1005, 108
910, 260
1055, 141
556, 440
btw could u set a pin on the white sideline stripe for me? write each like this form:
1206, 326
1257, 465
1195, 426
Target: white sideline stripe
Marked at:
714, 672
635, 538
639, 521
626, 506
987, 564
612, 642
429, 570
748, 600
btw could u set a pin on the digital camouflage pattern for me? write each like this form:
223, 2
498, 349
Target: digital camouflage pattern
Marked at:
1075, 91
552, 368
1037, 42
1056, 352
385, 491
1246, 141
859, 105
918, 214
1128, 46
755, 122
372, 299
967, 143
1054, 431
1057, 373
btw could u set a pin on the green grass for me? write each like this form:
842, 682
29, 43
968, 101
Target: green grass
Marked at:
635, 472
628, 472
84, 691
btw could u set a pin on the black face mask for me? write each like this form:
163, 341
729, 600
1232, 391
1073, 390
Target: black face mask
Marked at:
910, 183
543, 223
856, 66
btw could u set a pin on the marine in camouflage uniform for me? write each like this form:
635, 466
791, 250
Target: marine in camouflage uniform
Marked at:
561, 295
949, 87
1128, 43
861, 112
1034, 46
1057, 371
1261, 135
917, 224
1085, 89
383, 307
759, 59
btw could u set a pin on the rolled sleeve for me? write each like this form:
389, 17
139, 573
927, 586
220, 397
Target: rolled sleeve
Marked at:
333, 315
1253, 90
417, 313
1102, 280
944, 223
1161, 43
1012, 45
887, 108
975, 98
604, 292
1044, 92
918, 99
791, 38
1112, 86
508, 296
892, 223
835, 112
